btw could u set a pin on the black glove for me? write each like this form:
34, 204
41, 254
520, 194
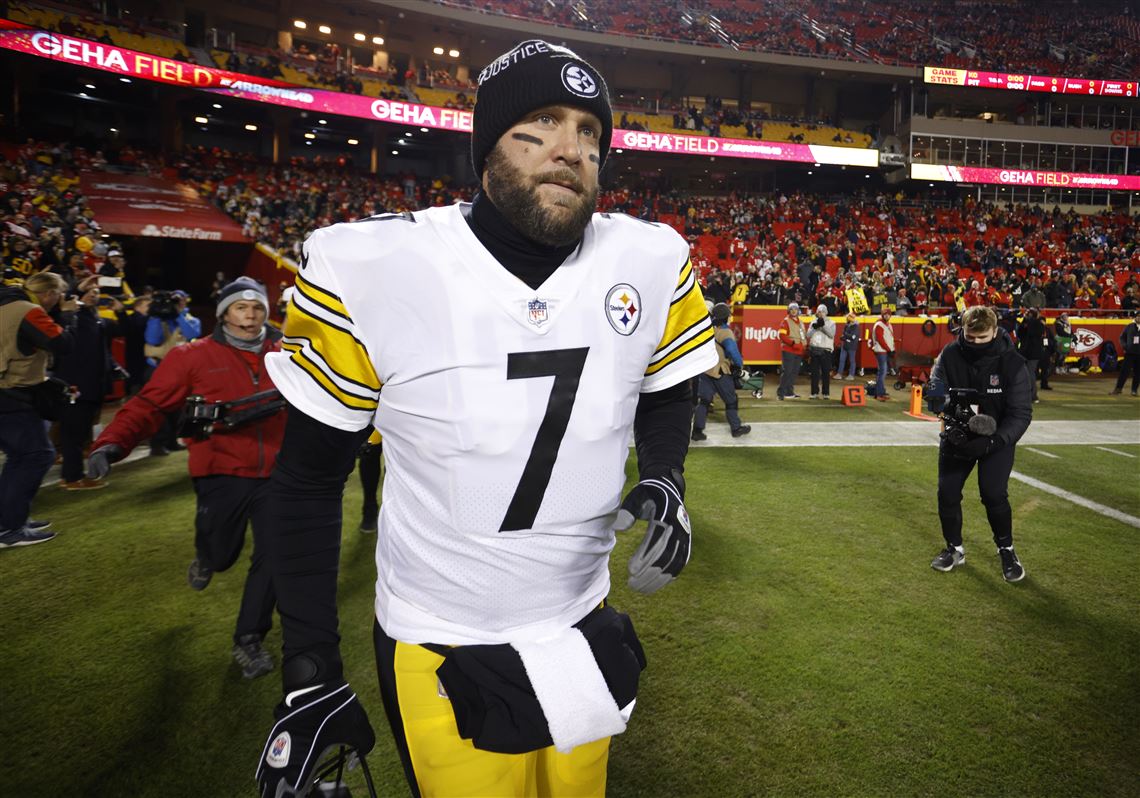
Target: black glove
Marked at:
310, 721
665, 549
99, 461
818, 323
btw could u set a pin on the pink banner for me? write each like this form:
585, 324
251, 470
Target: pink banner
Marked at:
129, 63
139, 205
1021, 82
1024, 177
683, 144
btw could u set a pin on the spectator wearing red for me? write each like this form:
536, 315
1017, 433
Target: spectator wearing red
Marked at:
793, 341
883, 345
231, 468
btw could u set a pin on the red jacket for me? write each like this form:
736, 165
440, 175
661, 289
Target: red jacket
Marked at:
795, 344
219, 373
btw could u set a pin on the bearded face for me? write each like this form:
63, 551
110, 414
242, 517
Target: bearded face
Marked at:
550, 208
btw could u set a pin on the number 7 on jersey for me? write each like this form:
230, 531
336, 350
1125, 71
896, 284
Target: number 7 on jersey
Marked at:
565, 365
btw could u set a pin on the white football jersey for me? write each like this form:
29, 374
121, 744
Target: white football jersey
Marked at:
506, 412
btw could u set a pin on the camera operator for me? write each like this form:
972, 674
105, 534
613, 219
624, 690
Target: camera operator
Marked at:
821, 344
230, 469
719, 379
169, 324
985, 362
34, 325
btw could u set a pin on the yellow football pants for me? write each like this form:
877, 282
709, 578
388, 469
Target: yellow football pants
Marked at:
438, 763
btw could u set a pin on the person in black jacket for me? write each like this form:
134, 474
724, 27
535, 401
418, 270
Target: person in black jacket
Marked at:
87, 368
982, 359
1031, 344
1129, 357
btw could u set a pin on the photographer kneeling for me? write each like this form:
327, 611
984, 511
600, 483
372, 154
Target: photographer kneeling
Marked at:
980, 386
230, 468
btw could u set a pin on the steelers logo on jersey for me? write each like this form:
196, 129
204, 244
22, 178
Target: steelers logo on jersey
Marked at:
623, 308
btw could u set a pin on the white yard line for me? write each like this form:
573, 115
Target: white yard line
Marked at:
1043, 453
1108, 512
1115, 451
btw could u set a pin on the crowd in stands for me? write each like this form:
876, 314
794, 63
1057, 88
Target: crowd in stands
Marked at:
1052, 37
776, 244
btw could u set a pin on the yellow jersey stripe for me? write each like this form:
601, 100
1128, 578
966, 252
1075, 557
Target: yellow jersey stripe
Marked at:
683, 314
345, 355
681, 351
686, 270
327, 385
319, 296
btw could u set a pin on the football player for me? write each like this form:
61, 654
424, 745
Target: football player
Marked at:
520, 339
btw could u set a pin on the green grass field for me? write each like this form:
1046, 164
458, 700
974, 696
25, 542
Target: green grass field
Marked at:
808, 649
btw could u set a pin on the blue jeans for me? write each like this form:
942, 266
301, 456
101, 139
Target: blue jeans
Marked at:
24, 441
847, 356
881, 382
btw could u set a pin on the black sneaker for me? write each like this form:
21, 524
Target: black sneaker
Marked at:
699, 434
24, 536
1011, 567
252, 656
37, 526
199, 574
743, 429
948, 559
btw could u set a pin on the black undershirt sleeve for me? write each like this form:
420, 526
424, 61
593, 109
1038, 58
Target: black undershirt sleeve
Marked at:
306, 489
661, 430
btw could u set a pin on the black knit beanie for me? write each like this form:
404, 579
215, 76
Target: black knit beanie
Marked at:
531, 75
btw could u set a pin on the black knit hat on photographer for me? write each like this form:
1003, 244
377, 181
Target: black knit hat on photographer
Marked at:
535, 74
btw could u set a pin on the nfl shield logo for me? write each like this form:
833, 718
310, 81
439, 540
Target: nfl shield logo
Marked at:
995, 380
536, 312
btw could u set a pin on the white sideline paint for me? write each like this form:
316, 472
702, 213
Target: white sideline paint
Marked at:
1115, 451
1043, 453
1116, 515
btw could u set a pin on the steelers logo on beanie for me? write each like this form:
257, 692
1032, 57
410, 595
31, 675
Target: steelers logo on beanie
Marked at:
531, 75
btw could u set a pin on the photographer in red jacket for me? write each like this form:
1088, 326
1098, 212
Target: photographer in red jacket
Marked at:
230, 467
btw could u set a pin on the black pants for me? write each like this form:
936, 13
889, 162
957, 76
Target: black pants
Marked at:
820, 370
369, 468
1129, 363
993, 485
1045, 368
226, 504
75, 423
725, 387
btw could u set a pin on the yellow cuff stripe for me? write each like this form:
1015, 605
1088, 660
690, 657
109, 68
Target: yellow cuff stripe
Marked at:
681, 351
337, 347
327, 385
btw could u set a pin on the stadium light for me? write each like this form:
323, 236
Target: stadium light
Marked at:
114, 130
353, 142
453, 53
359, 37
201, 120
437, 50
322, 121
310, 135
218, 105
83, 94
300, 23
324, 29
124, 80
395, 152
251, 127
619, 152
88, 85
423, 130
377, 39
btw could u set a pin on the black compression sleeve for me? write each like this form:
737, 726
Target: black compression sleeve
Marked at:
306, 488
661, 430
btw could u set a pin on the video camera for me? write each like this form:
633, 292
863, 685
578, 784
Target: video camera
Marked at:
201, 419
962, 423
163, 305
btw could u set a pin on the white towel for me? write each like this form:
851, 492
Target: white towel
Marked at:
578, 706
